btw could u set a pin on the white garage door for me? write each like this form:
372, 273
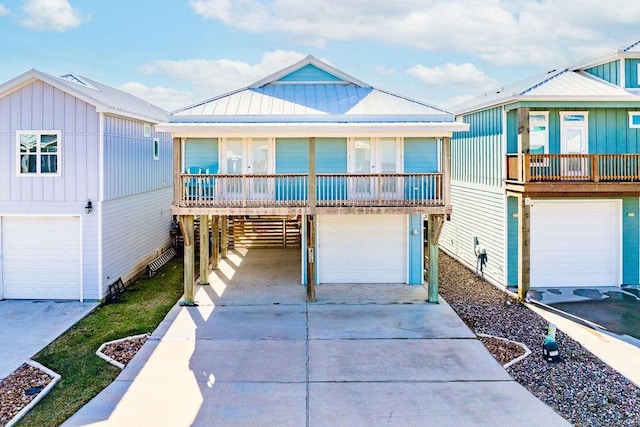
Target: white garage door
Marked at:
362, 248
41, 258
576, 243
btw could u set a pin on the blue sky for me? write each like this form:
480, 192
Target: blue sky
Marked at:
176, 52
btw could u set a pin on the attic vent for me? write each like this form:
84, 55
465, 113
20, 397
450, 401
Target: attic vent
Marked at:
77, 80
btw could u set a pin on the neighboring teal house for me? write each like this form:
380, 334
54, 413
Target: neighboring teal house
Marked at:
360, 166
547, 180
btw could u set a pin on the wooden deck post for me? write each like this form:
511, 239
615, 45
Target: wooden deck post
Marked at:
311, 258
177, 170
224, 244
524, 247
435, 223
204, 249
186, 226
524, 142
215, 240
312, 172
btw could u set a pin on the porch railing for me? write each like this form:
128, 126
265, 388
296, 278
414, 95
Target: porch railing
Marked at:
331, 190
526, 168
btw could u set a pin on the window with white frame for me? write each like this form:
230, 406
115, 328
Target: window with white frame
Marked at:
156, 149
634, 119
38, 152
539, 132
147, 130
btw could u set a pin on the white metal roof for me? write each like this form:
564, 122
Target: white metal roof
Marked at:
104, 98
342, 98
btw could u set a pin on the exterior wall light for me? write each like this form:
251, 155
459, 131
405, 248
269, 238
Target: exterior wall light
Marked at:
88, 207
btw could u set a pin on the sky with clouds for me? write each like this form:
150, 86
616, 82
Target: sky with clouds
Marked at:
182, 51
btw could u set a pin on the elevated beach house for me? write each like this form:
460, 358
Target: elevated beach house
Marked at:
85, 187
360, 166
546, 184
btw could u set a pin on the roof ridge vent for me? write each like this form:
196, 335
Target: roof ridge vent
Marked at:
77, 80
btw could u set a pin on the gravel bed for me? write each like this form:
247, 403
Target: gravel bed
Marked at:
19, 388
123, 351
581, 388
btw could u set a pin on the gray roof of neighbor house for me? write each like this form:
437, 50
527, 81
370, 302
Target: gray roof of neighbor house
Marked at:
570, 83
104, 98
310, 91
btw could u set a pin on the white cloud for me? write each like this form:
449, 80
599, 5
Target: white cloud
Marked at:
3, 10
451, 75
384, 71
167, 98
214, 77
539, 32
54, 15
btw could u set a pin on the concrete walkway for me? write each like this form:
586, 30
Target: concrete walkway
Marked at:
27, 326
254, 353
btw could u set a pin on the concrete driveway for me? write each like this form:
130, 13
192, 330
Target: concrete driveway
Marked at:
27, 326
255, 353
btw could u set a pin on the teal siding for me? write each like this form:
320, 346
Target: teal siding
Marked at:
292, 156
420, 155
202, 153
476, 156
512, 241
416, 268
631, 73
609, 131
309, 73
630, 241
608, 72
512, 131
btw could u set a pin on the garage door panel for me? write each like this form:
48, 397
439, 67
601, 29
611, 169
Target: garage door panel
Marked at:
575, 243
41, 257
362, 249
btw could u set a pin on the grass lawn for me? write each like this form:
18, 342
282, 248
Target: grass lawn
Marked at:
140, 309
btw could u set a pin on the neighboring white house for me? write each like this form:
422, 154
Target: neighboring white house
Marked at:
85, 187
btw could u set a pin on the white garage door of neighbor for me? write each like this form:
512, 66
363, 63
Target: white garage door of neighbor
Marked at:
362, 248
576, 243
41, 258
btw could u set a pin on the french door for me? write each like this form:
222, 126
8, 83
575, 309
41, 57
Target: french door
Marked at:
378, 158
574, 142
251, 159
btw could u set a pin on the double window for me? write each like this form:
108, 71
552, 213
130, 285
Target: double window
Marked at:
38, 152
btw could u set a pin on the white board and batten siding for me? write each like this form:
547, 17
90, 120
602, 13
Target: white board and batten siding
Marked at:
576, 243
362, 249
477, 212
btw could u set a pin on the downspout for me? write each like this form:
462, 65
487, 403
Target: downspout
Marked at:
100, 200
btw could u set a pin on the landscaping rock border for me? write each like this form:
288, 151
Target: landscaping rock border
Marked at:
120, 352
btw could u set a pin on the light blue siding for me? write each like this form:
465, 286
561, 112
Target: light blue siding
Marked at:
309, 73
630, 241
420, 155
133, 228
129, 167
512, 131
331, 157
608, 71
632, 79
512, 241
476, 156
202, 153
38, 106
292, 157
416, 243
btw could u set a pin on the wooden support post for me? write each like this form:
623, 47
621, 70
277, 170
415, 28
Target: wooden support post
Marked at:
446, 169
224, 244
204, 249
186, 225
311, 258
312, 172
177, 170
435, 224
523, 142
524, 247
215, 239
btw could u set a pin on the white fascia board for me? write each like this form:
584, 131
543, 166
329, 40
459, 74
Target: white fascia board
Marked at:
436, 129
